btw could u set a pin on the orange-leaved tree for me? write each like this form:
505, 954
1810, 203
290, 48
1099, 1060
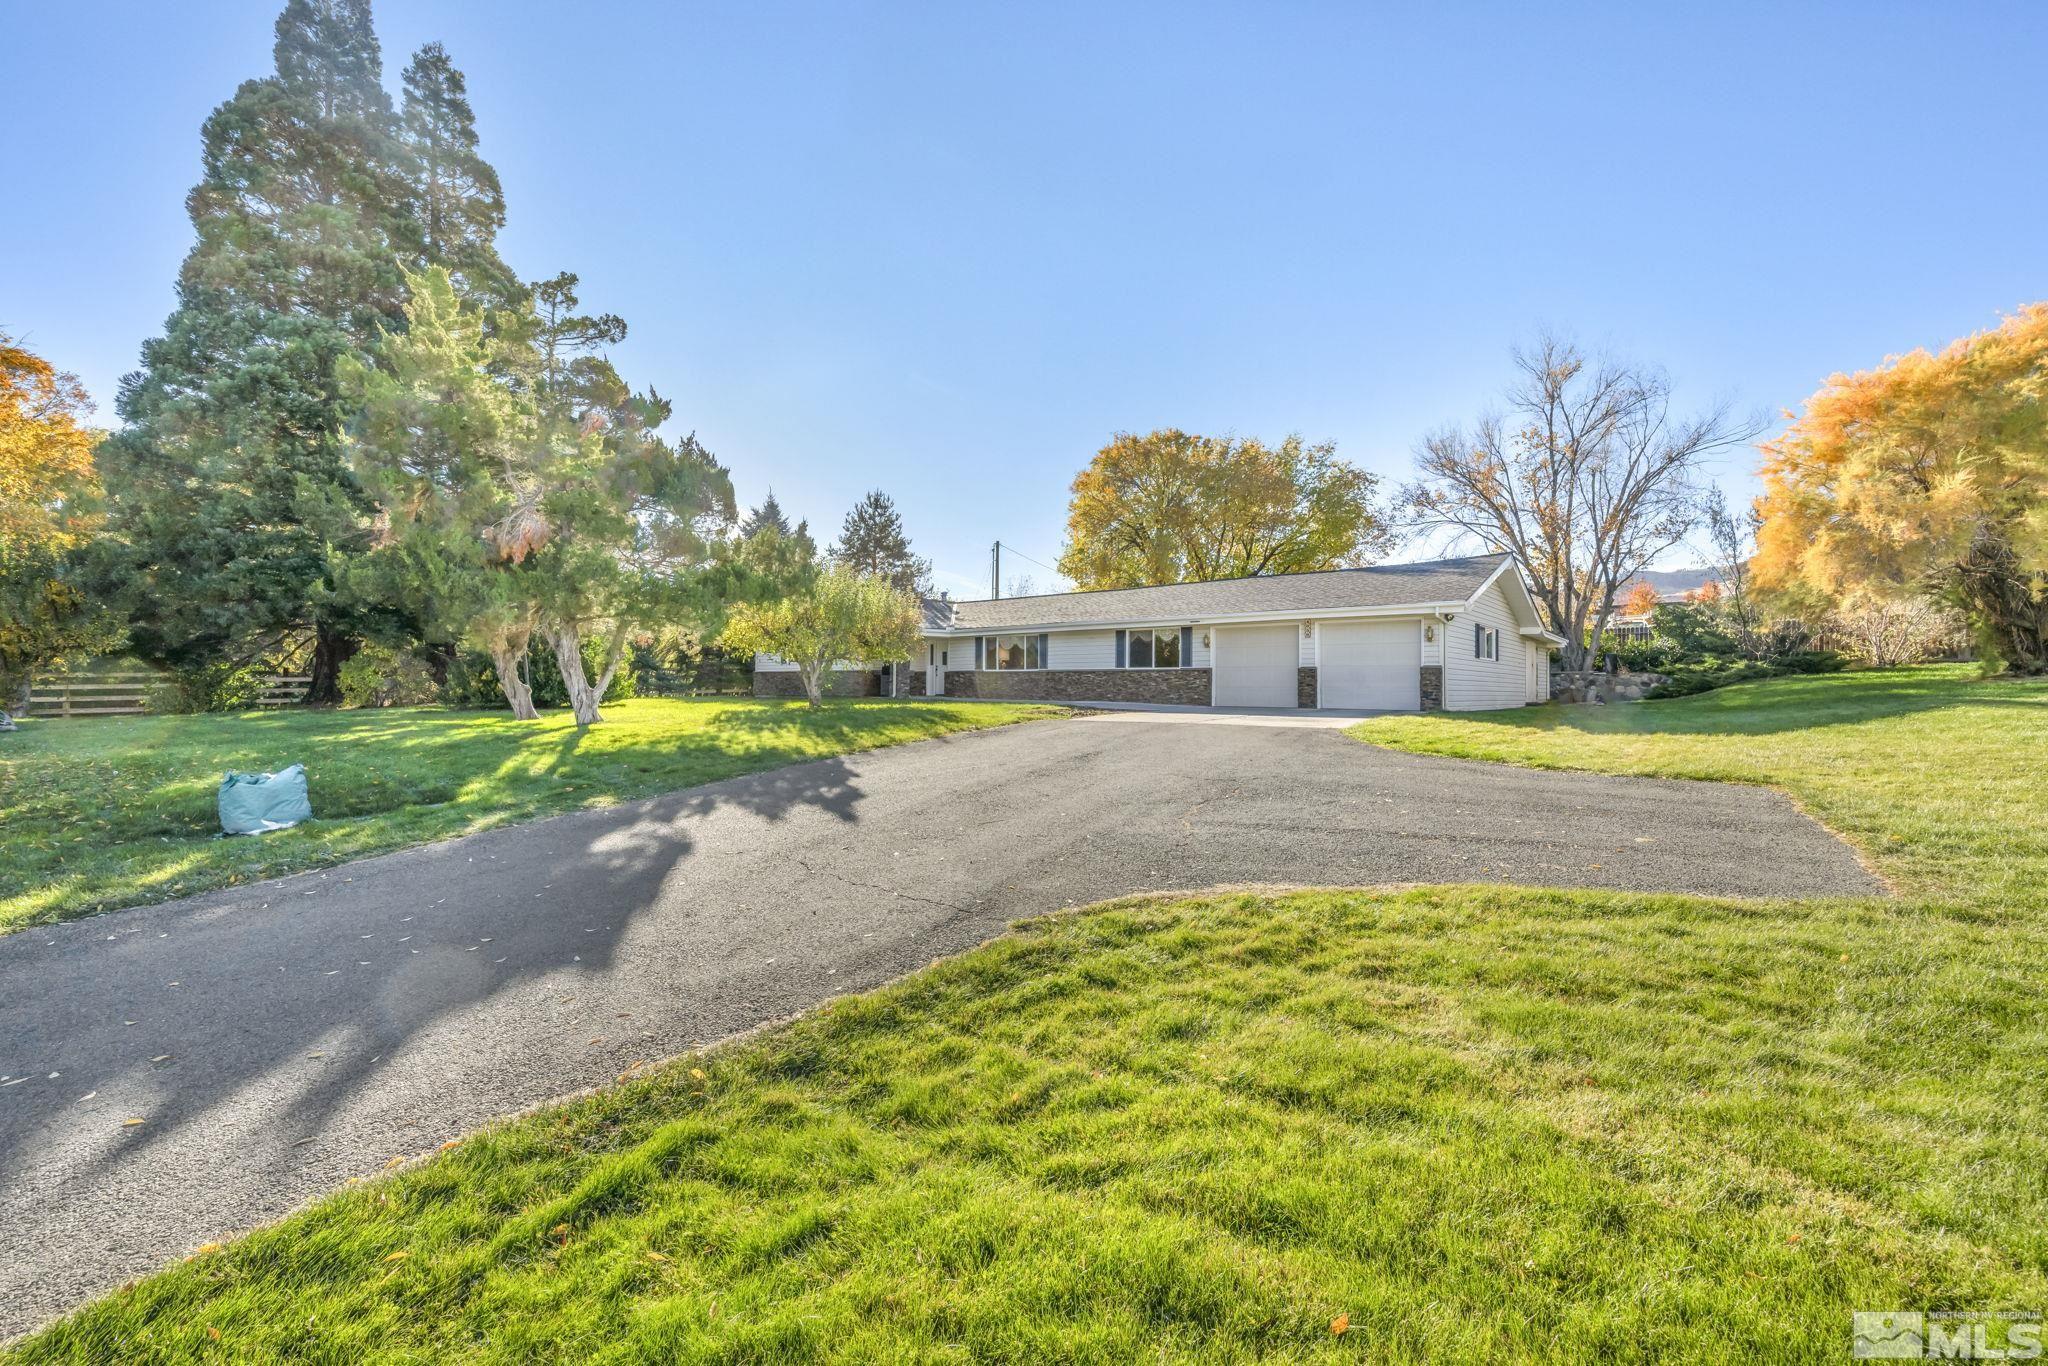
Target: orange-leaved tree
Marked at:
1640, 600
47, 492
1925, 476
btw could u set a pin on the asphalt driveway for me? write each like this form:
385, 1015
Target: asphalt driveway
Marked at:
278, 1038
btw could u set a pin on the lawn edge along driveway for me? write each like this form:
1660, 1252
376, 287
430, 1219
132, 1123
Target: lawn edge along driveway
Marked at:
1482, 1122
102, 814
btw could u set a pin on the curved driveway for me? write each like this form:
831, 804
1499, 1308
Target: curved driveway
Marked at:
280, 1037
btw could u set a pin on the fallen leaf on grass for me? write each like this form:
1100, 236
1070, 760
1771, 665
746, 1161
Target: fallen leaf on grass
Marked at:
1340, 1325
451, 1143
398, 1256
656, 1257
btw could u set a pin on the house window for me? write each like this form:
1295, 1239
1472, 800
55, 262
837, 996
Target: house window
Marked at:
1485, 642
1157, 649
1016, 652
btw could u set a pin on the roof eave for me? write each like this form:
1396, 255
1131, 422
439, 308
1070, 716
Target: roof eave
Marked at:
1399, 609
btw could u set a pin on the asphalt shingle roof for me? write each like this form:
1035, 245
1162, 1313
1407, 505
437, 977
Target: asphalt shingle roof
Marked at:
1380, 585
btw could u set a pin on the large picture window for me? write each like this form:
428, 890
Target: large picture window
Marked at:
1016, 652
1156, 649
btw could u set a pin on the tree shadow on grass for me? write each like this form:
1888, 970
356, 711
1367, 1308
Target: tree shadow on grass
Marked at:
271, 1013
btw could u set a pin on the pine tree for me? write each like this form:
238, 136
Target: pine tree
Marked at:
231, 505
873, 542
767, 517
456, 195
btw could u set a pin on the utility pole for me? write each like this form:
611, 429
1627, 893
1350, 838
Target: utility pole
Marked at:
995, 570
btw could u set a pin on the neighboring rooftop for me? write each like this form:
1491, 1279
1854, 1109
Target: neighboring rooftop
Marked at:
1380, 585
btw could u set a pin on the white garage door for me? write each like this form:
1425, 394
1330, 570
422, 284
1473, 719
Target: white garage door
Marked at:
1255, 666
1371, 665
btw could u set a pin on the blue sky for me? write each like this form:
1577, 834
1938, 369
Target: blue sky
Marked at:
947, 250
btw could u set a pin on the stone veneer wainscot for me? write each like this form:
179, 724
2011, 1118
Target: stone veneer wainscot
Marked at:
838, 683
1183, 687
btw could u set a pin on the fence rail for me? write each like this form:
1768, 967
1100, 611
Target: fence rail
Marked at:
125, 692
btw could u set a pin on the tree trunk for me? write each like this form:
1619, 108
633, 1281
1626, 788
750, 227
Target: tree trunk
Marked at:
567, 643
440, 660
507, 654
813, 676
331, 650
2007, 601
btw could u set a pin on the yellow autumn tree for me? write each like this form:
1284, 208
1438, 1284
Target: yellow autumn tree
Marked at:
1172, 507
47, 492
45, 451
1925, 476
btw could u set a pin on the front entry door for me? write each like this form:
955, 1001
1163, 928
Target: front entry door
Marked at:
935, 672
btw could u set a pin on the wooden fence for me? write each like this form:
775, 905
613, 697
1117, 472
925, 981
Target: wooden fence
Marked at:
123, 690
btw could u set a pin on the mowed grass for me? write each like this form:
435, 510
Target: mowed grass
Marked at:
1939, 776
1473, 1123
96, 814
1463, 1123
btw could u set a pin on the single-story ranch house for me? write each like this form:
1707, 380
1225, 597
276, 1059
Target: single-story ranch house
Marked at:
1457, 634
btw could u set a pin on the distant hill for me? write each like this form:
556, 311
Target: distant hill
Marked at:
1677, 580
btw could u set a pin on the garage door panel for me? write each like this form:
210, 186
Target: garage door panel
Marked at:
1255, 666
1371, 665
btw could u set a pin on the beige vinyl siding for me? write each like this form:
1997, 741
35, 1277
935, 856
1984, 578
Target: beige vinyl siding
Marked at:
776, 664
1542, 669
955, 651
1485, 684
1081, 649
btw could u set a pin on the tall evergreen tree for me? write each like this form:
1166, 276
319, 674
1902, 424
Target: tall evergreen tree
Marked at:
456, 195
230, 502
767, 517
873, 541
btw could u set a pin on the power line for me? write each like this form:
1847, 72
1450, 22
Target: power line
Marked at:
1022, 556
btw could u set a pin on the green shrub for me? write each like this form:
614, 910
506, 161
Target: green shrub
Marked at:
1810, 661
1685, 682
208, 687
379, 676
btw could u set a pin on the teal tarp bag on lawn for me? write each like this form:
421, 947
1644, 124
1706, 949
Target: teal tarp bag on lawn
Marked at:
251, 803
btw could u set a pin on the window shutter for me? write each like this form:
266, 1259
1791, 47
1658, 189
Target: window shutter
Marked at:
1478, 641
1187, 647
1120, 649
977, 652
1043, 661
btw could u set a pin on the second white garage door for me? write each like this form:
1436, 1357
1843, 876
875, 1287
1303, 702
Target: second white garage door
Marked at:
1255, 666
1371, 665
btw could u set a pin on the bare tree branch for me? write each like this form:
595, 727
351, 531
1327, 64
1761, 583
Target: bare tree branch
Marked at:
1585, 480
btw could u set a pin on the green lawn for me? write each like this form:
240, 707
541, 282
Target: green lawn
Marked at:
96, 814
1940, 777
1477, 1123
